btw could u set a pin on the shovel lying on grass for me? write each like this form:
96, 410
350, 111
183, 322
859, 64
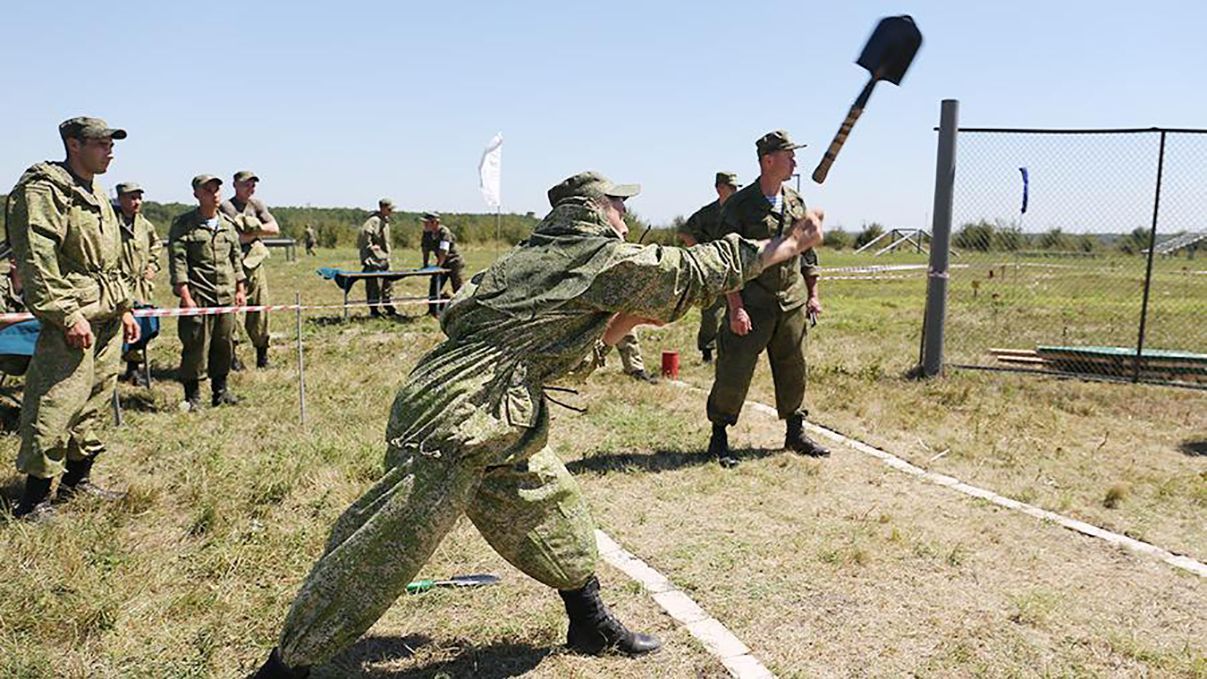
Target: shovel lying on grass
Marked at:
456, 581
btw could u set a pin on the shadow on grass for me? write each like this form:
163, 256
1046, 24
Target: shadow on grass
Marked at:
482, 662
140, 399
659, 460
1194, 447
357, 319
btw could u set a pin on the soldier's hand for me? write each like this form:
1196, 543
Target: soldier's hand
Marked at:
149, 274
240, 298
807, 232
739, 322
80, 335
130, 328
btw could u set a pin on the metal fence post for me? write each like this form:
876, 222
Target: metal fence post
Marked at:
1148, 273
936, 285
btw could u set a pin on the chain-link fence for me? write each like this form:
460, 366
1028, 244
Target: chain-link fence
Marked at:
1080, 252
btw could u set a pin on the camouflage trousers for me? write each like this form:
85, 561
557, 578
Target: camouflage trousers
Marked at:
711, 318
206, 345
66, 391
379, 292
447, 456
255, 323
782, 335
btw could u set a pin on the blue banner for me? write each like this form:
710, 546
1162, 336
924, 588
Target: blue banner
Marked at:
1026, 182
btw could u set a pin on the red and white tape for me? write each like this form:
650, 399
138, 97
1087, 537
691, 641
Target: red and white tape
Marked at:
217, 310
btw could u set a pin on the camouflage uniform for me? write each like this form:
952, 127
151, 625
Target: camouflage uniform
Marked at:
432, 244
704, 225
68, 249
310, 238
373, 240
468, 429
251, 216
209, 262
140, 252
775, 302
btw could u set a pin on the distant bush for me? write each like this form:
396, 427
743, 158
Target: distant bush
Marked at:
869, 233
976, 236
837, 239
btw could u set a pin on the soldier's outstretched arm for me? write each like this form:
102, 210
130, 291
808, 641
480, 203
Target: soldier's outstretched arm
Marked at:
662, 283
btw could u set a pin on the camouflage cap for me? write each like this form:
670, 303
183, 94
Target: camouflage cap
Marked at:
590, 185
431, 216
88, 128
128, 187
244, 175
775, 141
727, 179
386, 203
203, 179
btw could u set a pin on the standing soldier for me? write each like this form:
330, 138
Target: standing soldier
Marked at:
140, 263
206, 272
68, 251
374, 244
438, 240
12, 301
311, 239
770, 313
704, 226
469, 428
253, 221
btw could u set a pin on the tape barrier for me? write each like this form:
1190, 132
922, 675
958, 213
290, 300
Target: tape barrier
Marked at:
217, 310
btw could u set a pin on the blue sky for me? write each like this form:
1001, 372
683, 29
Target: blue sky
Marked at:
340, 103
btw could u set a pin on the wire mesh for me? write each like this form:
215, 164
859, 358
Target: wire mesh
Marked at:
1050, 253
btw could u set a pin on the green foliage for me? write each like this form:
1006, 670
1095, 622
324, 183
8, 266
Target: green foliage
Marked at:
976, 236
837, 239
1135, 242
869, 233
1055, 239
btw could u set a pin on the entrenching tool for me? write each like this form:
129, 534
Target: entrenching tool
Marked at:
455, 581
887, 56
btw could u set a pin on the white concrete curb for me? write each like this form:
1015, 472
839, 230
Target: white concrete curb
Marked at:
716, 639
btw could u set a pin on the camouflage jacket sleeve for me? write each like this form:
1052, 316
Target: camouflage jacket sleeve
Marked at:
178, 254
662, 283
236, 255
156, 247
36, 227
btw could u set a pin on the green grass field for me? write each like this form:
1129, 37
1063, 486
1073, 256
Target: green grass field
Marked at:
840, 567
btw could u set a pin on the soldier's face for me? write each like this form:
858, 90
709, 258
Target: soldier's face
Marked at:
93, 154
208, 195
131, 203
430, 224
244, 189
724, 191
614, 212
781, 164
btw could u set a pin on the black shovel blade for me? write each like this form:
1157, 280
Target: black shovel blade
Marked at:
891, 48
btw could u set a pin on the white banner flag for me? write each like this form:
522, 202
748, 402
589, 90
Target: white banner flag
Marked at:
490, 172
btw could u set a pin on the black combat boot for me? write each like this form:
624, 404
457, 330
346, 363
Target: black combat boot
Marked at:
261, 357
593, 628
138, 377
35, 501
718, 446
131, 374
795, 439
643, 376
275, 668
236, 364
76, 482
192, 395
222, 396
706, 355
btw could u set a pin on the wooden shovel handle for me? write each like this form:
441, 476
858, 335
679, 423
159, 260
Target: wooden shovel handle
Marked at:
823, 168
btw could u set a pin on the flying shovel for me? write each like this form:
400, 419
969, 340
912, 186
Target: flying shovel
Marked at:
887, 56
456, 581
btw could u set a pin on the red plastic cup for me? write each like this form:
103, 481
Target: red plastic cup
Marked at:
670, 364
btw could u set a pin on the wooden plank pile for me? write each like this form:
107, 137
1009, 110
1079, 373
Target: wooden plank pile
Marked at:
1155, 365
